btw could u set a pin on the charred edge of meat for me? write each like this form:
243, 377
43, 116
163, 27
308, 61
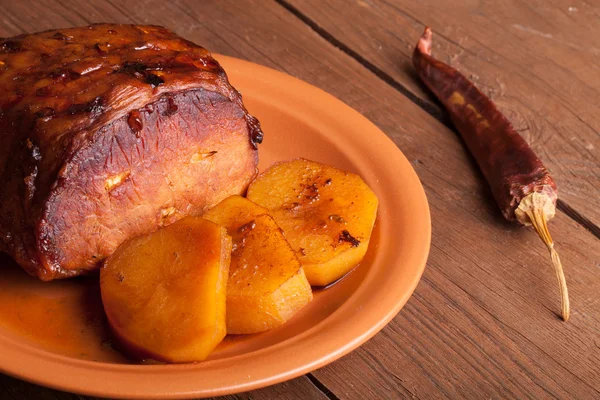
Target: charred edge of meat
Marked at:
93, 107
154, 80
45, 113
61, 36
43, 92
64, 75
140, 71
254, 128
256, 133
10, 46
131, 67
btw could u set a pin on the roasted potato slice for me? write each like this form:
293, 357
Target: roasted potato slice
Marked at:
165, 293
267, 285
326, 214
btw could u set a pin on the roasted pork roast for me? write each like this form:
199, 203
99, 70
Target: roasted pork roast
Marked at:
108, 132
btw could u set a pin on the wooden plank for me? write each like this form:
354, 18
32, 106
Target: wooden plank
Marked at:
299, 388
538, 60
482, 321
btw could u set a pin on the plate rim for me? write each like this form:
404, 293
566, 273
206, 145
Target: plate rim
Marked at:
33, 361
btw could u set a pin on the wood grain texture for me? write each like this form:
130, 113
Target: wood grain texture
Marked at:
538, 60
482, 322
299, 388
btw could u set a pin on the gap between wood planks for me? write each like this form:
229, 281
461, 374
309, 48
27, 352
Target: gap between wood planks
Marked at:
321, 386
432, 109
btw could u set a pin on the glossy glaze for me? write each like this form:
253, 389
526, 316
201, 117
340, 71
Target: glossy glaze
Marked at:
111, 117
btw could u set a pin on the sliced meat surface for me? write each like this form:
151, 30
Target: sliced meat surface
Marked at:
108, 132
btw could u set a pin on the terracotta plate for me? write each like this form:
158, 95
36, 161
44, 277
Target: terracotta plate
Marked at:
54, 334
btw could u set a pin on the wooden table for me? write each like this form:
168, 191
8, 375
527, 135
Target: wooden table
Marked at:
483, 321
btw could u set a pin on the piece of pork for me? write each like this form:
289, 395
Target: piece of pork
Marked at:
108, 132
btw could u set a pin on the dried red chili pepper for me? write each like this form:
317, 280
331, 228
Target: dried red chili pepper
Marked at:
521, 185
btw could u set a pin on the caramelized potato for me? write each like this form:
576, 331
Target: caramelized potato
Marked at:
164, 294
326, 214
267, 285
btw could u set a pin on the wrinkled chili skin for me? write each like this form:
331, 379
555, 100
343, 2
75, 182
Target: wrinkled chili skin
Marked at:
508, 163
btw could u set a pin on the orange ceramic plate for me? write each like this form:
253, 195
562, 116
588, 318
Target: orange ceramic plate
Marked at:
54, 334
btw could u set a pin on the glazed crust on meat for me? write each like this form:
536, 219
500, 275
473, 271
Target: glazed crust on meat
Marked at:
108, 132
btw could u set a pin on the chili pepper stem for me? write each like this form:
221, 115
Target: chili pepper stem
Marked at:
536, 209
